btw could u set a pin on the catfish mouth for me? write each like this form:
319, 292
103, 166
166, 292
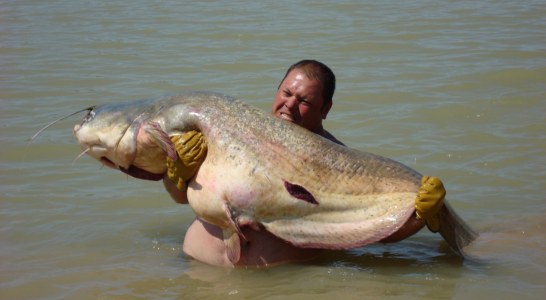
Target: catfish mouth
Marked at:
133, 171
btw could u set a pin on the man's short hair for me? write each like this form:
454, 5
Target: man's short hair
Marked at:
318, 71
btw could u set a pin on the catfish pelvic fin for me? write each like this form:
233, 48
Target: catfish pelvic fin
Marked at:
232, 218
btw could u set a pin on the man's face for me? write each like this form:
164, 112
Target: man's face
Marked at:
299, 100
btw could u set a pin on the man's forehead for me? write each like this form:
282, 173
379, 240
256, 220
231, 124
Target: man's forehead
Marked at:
298, 73
298, 77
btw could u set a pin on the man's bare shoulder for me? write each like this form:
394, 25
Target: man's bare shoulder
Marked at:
332, 138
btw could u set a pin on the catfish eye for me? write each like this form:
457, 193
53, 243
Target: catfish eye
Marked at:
90, 116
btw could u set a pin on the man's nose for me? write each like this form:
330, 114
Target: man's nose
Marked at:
291, 102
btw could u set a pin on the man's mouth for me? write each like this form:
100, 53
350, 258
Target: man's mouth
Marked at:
286, 116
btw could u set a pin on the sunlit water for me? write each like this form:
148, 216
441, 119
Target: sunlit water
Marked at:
455, 89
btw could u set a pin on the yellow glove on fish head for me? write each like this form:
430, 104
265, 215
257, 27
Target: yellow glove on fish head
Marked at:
191, 149
429, 201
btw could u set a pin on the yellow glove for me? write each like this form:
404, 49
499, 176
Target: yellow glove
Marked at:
192, 149
429, 201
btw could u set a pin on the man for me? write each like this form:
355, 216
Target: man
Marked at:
304, 97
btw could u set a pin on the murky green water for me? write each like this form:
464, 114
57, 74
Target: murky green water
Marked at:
455, 89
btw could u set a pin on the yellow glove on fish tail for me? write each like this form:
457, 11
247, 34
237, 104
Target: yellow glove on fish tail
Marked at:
429, 201
191, 149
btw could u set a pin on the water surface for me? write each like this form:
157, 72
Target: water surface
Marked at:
455, 89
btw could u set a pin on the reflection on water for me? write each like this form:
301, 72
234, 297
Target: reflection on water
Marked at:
452, 89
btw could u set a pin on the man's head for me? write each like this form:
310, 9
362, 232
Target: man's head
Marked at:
305, 94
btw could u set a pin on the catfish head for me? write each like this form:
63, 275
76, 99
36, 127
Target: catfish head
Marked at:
128, 137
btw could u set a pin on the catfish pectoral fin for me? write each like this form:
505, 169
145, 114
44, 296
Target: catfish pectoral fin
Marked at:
454, 230
161, 138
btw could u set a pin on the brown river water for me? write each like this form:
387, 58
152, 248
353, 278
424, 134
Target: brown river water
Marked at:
455, 89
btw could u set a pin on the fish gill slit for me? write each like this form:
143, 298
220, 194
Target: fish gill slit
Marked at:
134, 138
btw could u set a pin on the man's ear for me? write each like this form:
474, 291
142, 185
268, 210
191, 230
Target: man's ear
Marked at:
325, 109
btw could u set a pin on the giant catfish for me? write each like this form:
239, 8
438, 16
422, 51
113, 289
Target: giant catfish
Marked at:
262, 170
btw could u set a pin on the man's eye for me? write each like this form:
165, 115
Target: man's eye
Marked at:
305, 102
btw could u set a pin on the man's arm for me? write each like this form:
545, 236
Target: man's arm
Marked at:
179, 196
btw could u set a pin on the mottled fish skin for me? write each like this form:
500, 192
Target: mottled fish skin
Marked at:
301, 187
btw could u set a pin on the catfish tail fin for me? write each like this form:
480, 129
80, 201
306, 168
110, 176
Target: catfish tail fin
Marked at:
454, 230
